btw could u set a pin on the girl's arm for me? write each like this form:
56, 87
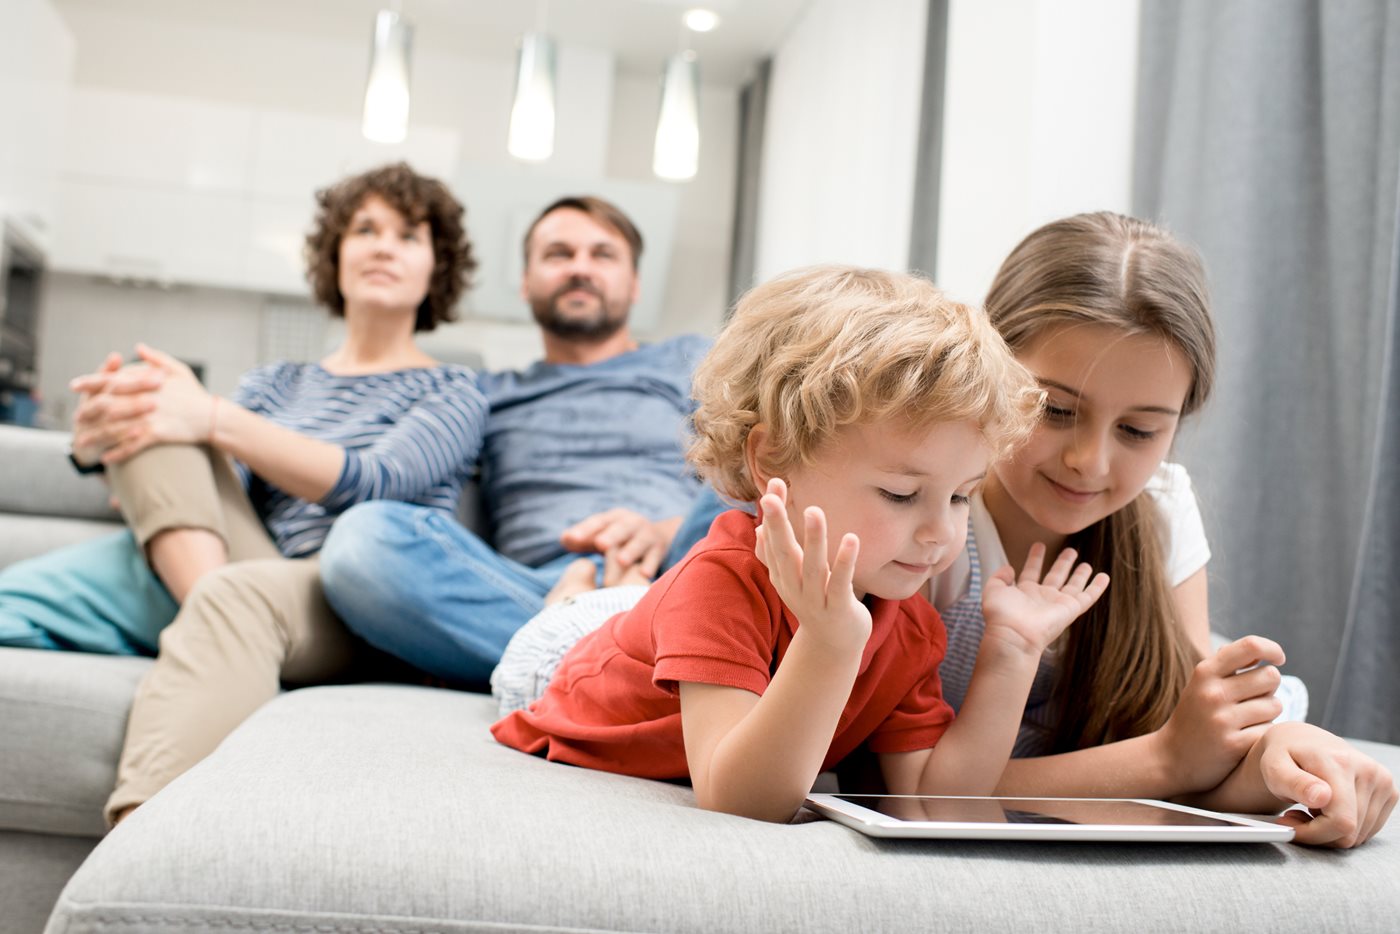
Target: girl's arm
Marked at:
1222, 713
1023, 616
758, 756
1191, 597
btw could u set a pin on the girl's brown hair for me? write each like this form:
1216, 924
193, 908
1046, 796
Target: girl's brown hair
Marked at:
419, 199
1125, 663
817, 349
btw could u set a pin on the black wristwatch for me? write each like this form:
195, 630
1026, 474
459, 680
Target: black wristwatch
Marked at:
86, 469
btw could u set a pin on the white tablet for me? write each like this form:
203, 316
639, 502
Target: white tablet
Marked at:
1084, 819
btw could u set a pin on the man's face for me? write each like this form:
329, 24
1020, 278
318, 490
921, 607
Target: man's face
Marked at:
579, 280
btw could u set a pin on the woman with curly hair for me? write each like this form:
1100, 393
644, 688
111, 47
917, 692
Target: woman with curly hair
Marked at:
228, 500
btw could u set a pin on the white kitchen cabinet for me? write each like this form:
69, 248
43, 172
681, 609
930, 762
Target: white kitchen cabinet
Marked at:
129, 231
176, 142
278, 228
36, 65
295, 154
175, 190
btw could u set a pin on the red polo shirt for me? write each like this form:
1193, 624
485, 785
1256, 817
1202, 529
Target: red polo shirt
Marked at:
714, 618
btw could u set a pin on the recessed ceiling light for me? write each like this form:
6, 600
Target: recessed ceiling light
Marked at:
699, 20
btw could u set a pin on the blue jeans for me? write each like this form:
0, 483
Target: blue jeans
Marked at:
95, 596
413, 582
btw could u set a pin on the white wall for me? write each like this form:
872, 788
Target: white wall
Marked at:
840, 139
1038, 115
1038, 124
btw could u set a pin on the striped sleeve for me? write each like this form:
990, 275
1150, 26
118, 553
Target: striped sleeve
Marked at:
425, 447
255, 393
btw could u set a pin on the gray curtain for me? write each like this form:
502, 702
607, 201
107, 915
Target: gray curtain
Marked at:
1365, 695
1269, 135
753, 115
928, 165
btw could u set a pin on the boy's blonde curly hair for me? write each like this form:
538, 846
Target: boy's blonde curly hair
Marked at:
824, 347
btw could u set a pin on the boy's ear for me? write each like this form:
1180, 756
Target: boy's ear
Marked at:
756, 457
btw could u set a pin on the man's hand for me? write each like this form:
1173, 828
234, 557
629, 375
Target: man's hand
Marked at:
1225, 709
821, 596
1027, 612
1350, 794
631, 544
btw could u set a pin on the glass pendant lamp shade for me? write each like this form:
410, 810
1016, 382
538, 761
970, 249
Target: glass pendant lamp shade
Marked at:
677, 153
532, 114
386, 93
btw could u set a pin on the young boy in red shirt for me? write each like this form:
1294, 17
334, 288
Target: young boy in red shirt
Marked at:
859, 409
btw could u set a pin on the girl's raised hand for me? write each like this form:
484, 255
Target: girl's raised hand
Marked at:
820, 595
1027, 612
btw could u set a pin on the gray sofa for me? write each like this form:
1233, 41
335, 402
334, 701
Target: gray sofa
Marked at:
388, 808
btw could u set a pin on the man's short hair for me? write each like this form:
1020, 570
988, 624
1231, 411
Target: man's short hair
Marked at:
604, 212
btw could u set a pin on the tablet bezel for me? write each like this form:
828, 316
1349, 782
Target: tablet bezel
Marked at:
876, 824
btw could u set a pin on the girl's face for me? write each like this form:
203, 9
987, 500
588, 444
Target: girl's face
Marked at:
385, 262
904, 493
1113, 405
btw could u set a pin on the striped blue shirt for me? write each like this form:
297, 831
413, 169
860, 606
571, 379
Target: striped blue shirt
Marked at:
409, 435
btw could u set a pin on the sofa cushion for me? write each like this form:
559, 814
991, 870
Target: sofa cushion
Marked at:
24, 536
389, 808
62, 723
36, 478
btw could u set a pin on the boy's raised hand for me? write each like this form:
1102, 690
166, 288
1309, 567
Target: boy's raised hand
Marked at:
1028, 611
821, 596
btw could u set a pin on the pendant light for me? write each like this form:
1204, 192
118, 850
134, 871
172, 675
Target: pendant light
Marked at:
532, 115
386, 92
677, 152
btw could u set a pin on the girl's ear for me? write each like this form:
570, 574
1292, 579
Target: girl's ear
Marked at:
756, 457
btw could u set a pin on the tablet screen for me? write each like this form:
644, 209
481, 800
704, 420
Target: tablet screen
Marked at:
1031, 811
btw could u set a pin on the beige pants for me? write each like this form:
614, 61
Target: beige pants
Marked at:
243, 629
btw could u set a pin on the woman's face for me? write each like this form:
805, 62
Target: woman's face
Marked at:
385, 262
1114, 401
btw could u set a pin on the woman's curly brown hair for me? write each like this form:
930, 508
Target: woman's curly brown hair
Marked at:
418, 198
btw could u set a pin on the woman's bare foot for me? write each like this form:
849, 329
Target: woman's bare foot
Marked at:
579, 577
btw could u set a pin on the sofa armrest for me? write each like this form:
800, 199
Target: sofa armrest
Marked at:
36, 478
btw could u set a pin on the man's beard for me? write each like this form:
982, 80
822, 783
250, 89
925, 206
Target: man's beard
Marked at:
603, 323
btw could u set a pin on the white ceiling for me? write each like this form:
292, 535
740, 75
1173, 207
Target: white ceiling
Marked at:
641, 33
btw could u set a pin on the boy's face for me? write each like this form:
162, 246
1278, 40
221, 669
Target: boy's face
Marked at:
903, 491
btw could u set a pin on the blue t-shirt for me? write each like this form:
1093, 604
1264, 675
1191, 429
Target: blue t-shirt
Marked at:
566, 441
410, 435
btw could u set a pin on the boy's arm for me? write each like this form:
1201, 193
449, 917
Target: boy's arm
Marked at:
758, 756
972, 753
1023, 615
